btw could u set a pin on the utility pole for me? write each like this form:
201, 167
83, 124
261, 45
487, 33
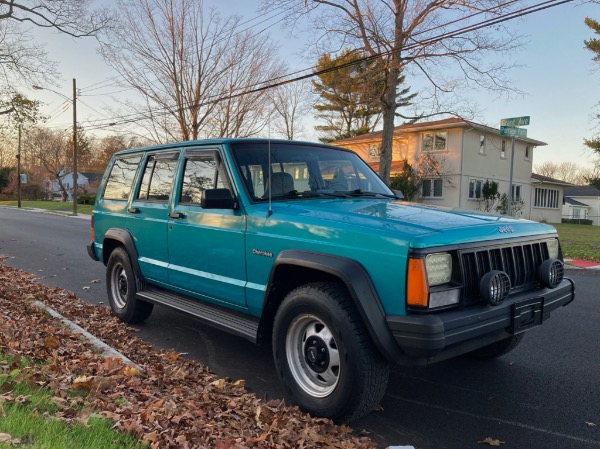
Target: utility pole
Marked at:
74, 147
19, 170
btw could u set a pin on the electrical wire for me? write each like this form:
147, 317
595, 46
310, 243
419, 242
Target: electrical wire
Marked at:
272, 83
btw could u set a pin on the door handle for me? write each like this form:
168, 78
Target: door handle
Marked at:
133, 210
176, 215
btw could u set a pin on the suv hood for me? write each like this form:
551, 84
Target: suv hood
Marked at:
422, 225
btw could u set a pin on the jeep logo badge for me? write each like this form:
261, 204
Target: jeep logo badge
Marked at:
506, 229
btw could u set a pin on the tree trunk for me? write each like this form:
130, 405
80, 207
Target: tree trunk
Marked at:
389, 114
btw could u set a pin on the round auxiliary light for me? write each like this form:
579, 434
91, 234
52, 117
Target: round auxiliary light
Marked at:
494, 287
551, 273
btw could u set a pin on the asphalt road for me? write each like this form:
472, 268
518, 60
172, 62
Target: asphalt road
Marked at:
542, 395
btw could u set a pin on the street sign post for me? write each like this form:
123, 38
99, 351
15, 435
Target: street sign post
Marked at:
508, 127
513, 132
515, 121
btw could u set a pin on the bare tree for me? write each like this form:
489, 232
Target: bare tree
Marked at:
50, 151
564, 171
21, 58
188, 64
291, 102
407, 35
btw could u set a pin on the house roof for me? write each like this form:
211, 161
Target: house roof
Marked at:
453, 122
92, 176
582, 191
549, 180
573, 202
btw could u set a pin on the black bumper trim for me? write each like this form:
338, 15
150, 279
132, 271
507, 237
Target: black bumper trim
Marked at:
92, 252
428, 335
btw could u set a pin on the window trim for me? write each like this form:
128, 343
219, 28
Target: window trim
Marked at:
158, 156
432, 189
433, 142
475, 198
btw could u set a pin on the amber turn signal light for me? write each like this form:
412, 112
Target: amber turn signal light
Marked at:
417, 292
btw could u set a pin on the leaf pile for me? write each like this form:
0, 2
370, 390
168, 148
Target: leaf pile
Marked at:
170, 402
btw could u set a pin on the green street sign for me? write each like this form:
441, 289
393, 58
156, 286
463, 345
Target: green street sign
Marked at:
515, 121
513, 132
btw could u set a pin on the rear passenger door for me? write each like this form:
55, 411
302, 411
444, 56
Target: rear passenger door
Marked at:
148, 214
206, 246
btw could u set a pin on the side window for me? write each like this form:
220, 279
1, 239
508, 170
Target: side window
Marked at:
158, 178
201, 173
118, 185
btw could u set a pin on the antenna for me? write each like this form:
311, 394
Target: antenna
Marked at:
270, 171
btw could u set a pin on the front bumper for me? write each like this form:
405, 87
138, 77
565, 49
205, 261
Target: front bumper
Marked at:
442, 335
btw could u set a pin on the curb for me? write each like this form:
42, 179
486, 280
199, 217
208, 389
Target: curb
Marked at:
581, 264
105, 350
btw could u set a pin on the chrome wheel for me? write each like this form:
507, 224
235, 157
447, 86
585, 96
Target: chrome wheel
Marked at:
119, 285
313, 356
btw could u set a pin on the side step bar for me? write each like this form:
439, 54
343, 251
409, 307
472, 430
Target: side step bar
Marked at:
220, 317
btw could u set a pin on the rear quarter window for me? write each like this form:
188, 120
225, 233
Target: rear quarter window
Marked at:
120, 180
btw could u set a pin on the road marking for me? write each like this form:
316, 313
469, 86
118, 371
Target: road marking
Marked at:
489, 418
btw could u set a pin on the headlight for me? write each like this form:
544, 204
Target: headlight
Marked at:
439, 268
552, 245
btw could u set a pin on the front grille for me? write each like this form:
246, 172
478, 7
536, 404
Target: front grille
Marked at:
520, 261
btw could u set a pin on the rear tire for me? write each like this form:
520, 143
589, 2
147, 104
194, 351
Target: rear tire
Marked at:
121, 285
324, 355
498, 348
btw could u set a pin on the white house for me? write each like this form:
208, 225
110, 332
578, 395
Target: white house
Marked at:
582, 202
467, 155
67, 180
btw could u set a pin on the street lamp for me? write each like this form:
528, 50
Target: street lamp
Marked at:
74, 101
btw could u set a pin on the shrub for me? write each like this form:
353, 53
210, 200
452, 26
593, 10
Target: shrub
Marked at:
577, 221
86, 199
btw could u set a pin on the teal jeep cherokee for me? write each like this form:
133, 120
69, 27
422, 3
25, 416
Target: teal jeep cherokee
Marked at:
302, 246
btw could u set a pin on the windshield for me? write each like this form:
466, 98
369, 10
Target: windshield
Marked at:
300, 171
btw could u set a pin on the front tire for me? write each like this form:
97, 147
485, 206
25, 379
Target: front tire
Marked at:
324, 355
121, 285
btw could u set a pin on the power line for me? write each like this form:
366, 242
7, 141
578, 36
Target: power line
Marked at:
132, 118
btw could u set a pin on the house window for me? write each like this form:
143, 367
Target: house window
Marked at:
482, 144
576, 212
503, 150
547, 198
516, 192
374, 150
434, 141
432, 188
475, 189
528, 152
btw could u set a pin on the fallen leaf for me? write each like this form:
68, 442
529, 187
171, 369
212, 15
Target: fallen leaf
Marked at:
83, 383
51, 342
86, 288
95, 281
6, 438
129, 371
219, 384
590, 424
492, 442
239, 383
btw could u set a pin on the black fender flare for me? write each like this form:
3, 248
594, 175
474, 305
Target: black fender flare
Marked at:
126, 240
359, 285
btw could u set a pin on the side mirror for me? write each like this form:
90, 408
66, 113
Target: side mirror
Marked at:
399, 194
217, 199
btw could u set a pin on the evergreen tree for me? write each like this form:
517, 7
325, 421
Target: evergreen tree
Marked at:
350, 93
593, 45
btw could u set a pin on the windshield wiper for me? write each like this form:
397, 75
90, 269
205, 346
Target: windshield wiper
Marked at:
359, 192
312, 193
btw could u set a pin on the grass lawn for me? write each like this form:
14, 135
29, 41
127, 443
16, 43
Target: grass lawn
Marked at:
29, 418
579, 241
55, 206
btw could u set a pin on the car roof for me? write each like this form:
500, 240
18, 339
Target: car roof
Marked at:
206, 142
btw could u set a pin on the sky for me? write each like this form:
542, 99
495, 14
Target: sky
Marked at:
557, 74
